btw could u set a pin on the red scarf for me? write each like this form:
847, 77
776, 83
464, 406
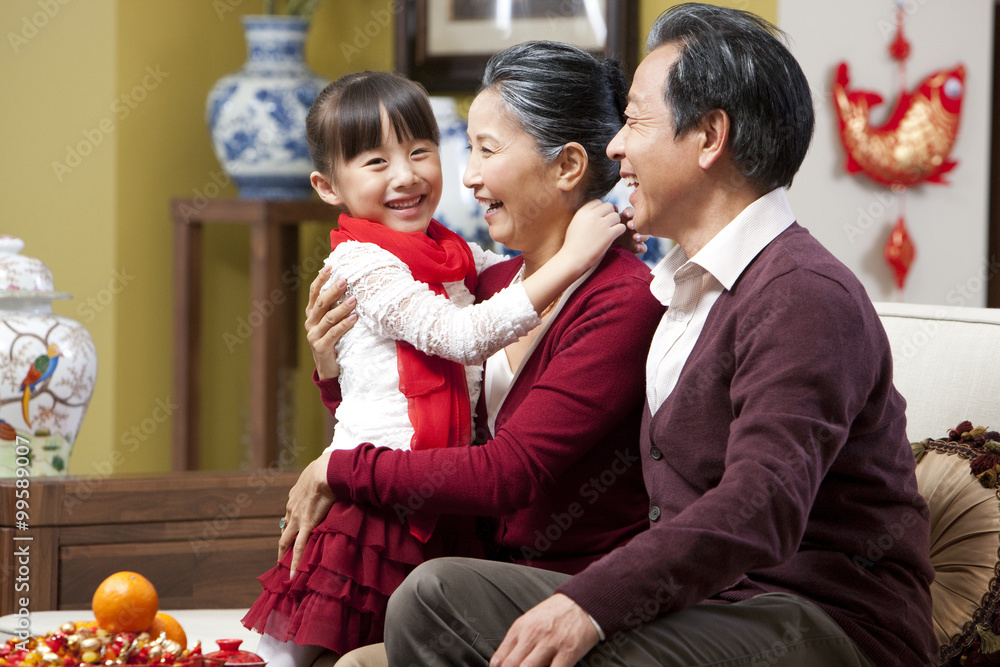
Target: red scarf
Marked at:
436, 390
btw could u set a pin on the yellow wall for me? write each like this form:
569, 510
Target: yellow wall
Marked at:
61, 82
165, 152
143, 69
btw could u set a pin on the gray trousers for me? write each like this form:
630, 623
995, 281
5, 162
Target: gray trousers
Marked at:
456, 611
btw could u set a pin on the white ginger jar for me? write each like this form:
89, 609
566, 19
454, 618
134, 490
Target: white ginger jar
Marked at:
48, 367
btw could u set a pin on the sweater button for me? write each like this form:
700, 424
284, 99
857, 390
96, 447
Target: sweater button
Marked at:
654, 513
655, 452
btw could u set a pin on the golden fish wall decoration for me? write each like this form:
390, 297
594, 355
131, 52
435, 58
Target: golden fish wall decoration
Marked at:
914, 144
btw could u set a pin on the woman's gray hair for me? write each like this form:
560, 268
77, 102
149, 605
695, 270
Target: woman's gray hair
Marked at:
559, 93
733, 60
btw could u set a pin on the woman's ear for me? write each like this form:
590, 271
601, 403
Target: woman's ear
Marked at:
571, 166
325, 189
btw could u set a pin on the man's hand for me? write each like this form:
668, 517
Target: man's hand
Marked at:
309, 501
556, 632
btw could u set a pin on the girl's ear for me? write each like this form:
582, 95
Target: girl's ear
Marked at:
325, 189
571, 166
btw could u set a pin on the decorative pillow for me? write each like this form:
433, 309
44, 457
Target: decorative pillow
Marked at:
958, 476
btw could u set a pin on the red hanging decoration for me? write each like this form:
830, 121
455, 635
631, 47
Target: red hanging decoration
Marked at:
912, 147
900, 48
899, 252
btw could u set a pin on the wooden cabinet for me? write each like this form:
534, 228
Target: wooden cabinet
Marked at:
202, 538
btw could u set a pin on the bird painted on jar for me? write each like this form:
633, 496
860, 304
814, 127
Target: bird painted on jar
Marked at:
40, 371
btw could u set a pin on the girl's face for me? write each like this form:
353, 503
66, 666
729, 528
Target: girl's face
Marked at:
397, 184
508, 176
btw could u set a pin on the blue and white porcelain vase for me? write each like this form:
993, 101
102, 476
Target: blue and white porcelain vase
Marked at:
257, 116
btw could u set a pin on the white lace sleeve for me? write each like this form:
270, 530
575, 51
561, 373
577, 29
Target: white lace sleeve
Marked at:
399, 307
484, 259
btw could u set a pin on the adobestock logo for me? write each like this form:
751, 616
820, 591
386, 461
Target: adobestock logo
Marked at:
363, 35
31, 25
121, 108
96, 304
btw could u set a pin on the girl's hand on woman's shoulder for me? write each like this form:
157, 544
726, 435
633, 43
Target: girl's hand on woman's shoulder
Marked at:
592, 231
327, 321
630, 239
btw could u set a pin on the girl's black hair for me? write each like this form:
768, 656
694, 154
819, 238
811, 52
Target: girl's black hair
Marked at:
346, 118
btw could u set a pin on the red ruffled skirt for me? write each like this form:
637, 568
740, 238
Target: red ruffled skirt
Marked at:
352, 563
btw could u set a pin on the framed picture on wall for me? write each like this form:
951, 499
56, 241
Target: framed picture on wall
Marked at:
444, 44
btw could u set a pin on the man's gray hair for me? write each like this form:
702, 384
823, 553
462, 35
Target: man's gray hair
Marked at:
733, 60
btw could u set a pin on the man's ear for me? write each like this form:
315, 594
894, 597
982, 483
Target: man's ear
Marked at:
714, 127
571, 166
325, 189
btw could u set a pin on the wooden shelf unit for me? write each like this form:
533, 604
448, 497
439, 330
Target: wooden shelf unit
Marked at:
274, 227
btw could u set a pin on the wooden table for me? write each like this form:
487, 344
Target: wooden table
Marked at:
273, 252
202, 538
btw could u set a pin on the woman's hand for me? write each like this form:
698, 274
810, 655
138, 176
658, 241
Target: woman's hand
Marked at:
309, 501
327, 322
630, 239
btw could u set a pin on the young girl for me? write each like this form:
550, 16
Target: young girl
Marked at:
411, 364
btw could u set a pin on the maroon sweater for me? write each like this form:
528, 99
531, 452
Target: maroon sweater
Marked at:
780, 463
561, 474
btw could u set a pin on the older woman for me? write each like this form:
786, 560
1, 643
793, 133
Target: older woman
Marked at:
560, 409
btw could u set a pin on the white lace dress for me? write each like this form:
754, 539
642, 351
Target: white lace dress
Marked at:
392, 306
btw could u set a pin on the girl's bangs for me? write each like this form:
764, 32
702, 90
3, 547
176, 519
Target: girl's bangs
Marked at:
405, 105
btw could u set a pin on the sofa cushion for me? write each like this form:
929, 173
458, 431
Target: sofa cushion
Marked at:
957, 475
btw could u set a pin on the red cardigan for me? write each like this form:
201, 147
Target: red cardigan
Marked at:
562, 473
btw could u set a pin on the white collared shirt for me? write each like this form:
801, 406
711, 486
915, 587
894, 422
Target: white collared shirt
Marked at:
690, 287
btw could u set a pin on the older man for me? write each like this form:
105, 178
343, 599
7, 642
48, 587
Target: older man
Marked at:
773, 446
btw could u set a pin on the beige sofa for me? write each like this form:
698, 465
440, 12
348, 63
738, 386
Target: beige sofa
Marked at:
947, 366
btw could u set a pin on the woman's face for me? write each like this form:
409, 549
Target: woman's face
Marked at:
508, 176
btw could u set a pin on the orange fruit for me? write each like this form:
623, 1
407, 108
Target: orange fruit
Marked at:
168, 624
125, 602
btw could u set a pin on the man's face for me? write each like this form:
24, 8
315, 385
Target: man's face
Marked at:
660, 167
